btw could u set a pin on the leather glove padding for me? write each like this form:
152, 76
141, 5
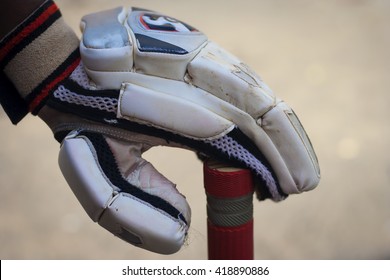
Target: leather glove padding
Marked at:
123, 192
173, 80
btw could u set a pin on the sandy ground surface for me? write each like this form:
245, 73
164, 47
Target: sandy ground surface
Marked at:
328, 59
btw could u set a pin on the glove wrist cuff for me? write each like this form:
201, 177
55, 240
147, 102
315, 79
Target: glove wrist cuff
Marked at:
38, 54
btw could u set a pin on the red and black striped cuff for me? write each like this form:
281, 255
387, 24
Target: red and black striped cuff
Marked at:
37, 56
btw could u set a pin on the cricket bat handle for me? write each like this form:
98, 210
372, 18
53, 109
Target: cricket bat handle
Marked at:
229, 194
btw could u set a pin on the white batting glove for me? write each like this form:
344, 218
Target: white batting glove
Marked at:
144, 80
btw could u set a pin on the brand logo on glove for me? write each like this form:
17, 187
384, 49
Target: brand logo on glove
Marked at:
164, 23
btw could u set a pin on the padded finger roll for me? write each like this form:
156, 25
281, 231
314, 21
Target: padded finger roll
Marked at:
302, 172
142, 219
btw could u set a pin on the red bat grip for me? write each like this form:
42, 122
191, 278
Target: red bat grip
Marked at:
229, 212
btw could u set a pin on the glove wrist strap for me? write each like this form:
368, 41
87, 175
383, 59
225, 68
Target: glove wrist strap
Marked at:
36, 56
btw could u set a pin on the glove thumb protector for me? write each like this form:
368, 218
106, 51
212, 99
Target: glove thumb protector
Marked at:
123, 192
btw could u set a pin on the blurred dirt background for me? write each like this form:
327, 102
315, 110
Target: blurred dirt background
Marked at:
329, 60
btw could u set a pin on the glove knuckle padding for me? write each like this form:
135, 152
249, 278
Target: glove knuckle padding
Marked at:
178, 81
129, 217
149, 55
105, 45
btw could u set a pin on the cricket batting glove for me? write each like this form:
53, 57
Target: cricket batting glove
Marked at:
139, 79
